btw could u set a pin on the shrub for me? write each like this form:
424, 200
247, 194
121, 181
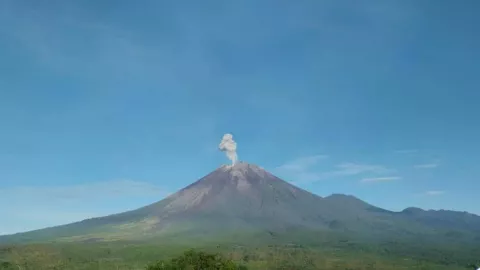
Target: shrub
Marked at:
6, 266
193, 260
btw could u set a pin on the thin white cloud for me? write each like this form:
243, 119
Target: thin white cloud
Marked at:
306, 177
406, 151
27, 218
117, 188
108, 49
301, 170
44, 206
426, 166
380, 179
301, 164
350, 168
434, 192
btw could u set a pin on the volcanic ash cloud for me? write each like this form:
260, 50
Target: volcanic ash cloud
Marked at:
229, 146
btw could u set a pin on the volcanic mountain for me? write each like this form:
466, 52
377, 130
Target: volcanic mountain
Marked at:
244, 197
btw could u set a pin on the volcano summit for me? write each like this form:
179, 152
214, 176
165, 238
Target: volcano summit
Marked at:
245, 197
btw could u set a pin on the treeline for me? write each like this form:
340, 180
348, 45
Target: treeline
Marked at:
155, 257
194, 260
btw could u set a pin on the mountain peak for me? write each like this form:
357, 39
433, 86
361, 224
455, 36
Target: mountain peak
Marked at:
241, 165
244, 170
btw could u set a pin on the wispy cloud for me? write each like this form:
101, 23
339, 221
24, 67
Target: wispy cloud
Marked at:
380, 179
406, 151
106, 189
434, 192
301, 164
350, 168
107, 48
301, 170
426, 166
43, 206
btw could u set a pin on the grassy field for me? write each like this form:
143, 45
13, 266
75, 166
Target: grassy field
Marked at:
256, 252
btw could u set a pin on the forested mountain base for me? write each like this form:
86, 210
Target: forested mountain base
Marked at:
132, 256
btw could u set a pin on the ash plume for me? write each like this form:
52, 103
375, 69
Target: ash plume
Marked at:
229, 146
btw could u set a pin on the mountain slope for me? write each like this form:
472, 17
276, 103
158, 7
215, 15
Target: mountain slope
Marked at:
246, 198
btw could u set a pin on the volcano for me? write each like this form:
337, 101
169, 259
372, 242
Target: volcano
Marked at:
244, 197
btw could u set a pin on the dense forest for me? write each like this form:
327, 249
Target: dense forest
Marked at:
156, 256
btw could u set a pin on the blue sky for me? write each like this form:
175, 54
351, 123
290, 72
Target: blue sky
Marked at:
106, 106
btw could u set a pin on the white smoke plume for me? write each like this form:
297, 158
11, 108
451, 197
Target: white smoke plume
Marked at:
229, 146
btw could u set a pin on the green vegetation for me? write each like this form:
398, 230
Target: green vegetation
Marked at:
254, 252
197, 260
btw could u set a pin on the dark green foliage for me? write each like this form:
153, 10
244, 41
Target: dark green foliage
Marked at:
193, 260
328, 253
7, 266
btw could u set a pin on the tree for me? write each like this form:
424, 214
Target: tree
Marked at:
193, 260
6, 266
